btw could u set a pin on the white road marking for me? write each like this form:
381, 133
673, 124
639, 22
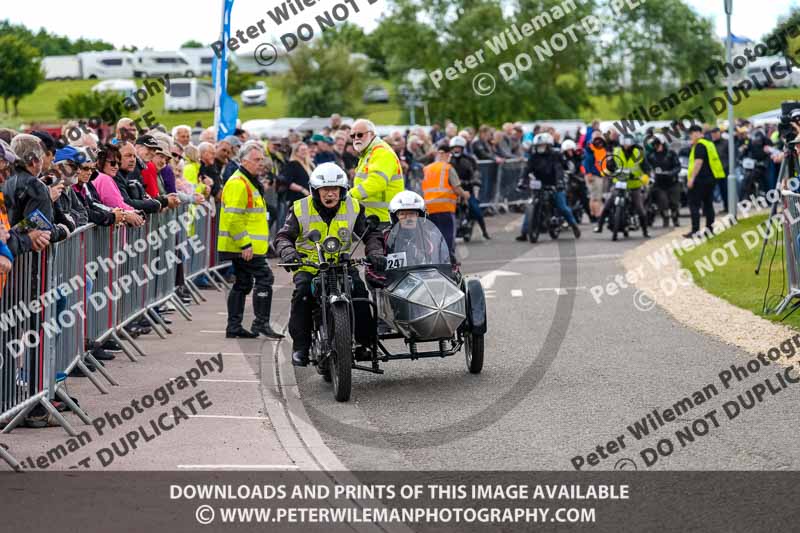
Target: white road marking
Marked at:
516, 293
488, 279
228, 381
231, 417
560, 291
240, 467
223, 353
212, 331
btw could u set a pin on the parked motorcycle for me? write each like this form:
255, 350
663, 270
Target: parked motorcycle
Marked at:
623, 215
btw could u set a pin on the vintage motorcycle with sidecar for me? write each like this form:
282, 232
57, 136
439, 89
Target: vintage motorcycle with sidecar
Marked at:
421, 300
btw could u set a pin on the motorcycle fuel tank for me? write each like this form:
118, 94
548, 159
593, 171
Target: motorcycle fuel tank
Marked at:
424, 305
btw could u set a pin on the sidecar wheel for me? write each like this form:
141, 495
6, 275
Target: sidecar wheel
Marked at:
473, 351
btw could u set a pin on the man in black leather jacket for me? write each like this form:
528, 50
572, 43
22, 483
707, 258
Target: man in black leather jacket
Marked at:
665, 167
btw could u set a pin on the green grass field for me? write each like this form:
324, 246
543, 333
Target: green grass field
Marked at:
41, 106
735, 280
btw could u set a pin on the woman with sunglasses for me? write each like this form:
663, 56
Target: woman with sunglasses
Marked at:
102, 180
87, 192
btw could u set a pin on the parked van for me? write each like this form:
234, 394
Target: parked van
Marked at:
105, 65
61, 67
124, 88
200, 60
189, 94
150, 64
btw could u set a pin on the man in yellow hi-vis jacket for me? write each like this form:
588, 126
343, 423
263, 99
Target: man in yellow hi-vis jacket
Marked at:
243, 234
378, 175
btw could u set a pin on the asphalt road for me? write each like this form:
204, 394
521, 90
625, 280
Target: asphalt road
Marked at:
563, 375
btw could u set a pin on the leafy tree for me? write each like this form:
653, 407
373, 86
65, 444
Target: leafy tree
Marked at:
85, 105
323, 79
21, 70
238, 81
787, 33
653, 50
347, 34
192, 44
50, 44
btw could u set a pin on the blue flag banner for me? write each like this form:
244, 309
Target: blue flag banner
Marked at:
226, 110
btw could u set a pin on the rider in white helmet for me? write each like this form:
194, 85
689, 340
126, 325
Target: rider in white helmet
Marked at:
331, 212
406, 207
470, 176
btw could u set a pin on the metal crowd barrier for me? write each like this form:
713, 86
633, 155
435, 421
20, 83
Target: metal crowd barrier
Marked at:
499, 184
791, 242
66, 308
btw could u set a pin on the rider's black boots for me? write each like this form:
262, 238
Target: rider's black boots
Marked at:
600, 223
643, 222
576, 230
482, 224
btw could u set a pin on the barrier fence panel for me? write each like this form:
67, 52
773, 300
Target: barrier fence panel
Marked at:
507, 175
791, 241
488, 170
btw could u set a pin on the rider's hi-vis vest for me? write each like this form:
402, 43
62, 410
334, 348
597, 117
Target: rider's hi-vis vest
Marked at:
713, 159
243, 217
377, 179
341, 227
634, 163
439, 195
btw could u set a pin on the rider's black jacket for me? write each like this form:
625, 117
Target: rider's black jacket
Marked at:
467, 169
288, 234
572, 164
669, 164
547, 168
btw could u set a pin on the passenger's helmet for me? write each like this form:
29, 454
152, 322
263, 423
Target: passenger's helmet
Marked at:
406, 201
458, 140
543, 138
328, 175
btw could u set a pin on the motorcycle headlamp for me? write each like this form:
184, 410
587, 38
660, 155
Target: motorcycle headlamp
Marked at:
331, 245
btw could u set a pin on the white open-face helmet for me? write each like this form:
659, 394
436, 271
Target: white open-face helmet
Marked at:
328, 175
569, 144
543, 138
458, 140
406, 201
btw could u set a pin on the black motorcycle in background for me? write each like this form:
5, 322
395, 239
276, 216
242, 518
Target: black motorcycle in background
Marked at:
541, 212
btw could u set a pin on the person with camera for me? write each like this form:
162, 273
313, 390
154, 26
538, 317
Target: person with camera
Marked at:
665, 167
331, 212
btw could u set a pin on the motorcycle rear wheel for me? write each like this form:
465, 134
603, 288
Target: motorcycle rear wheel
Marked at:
473, 352
341, 361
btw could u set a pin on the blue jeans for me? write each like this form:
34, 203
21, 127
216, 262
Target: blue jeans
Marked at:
446, 224
560, 199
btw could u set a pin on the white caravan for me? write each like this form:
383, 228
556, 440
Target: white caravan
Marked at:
189, 94
106, 65
151, 64
199, 59
61, 67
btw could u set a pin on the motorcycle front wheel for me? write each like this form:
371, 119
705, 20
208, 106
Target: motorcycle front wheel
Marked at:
341, 360
534, 221
618, 221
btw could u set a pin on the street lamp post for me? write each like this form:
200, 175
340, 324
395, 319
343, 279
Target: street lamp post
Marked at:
731, 126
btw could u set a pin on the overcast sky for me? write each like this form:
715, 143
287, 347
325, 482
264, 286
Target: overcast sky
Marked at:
166, 24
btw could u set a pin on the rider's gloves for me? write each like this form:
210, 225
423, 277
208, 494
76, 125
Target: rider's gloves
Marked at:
290, 255
378, 262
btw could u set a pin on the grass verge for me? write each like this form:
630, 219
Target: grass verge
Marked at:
725, 267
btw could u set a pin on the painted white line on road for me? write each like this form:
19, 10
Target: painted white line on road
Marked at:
543, 259
212, 331
231, 417
228, 381
516, 293
223, 353
488, 279
239, 467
